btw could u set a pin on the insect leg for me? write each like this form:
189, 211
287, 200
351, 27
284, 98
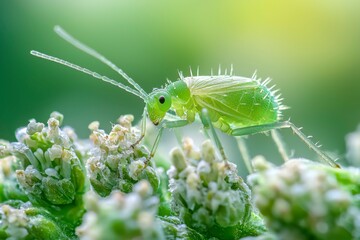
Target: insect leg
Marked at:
296, 130
244, 153
280, 144
205, 119
143, 129
311, 145
164, 124
178, 136
172, 117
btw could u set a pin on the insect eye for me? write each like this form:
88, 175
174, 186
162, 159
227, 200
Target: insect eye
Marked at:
161, 99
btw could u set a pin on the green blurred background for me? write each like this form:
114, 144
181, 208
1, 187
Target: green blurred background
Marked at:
310, 48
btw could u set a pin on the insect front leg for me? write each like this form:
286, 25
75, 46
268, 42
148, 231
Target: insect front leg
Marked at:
205, 119
143, 129
296, 130
165, 124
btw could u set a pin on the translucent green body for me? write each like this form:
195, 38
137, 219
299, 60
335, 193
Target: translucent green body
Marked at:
231, 102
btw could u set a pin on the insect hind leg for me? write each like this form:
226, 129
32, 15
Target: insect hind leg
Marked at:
225, 127
280, 144
287, 124
244, 153
143, 129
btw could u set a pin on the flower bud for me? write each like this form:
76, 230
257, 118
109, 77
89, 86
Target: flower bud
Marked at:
318, 199
122, 216
115, 161
208, 194
50, 172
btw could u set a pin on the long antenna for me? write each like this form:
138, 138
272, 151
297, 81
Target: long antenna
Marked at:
87, 71
76, 43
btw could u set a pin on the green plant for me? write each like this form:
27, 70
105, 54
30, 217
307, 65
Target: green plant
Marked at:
55, 186
306, 200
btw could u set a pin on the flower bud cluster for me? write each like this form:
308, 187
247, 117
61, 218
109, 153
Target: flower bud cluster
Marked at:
9, 187
23, 221
307, 200
117, 161
208, 194
50, 171
122, 216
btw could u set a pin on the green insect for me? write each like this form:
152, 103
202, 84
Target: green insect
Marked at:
236, 105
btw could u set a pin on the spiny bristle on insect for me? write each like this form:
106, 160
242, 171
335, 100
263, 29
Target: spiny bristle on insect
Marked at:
266, 95
198, 71
317, 144
275, 91
231, 72
254, 76
191, 74
278, 96
283, 107
266, 82
279, 100
272, 87
280, 108
181, 76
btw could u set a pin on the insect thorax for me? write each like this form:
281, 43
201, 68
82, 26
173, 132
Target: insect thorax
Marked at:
182, 102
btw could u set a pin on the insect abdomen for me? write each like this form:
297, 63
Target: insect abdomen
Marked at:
242, 108
259, 105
